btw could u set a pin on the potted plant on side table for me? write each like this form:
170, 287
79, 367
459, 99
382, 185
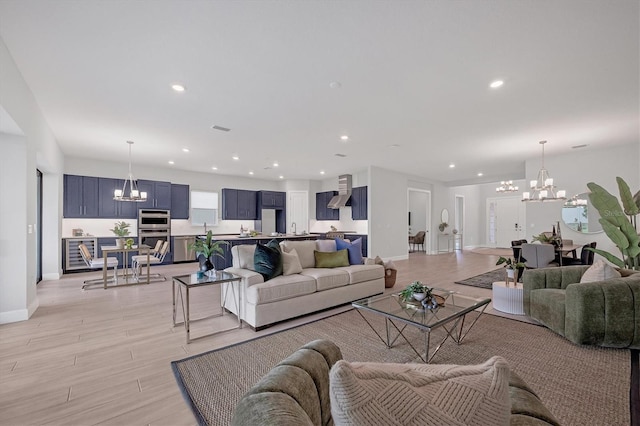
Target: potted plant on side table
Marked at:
121, 230
206, 249
511, 265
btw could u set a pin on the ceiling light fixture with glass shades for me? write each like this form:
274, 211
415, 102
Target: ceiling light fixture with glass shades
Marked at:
133, 194
506, 186
543, 189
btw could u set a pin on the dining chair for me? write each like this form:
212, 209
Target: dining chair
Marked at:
586, 256
98, 263
538, 255
139, 261
418, 240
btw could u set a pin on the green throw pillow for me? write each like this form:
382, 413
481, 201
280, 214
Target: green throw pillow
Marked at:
266, 260
331, 259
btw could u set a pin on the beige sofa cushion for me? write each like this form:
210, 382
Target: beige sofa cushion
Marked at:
362, 273
280, 288
243, 256
305, 251
420, 394
327, 278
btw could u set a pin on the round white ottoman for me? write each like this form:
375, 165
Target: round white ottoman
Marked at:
508, 299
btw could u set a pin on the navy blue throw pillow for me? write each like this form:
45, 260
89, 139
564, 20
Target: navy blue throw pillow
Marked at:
266, 260
276, 245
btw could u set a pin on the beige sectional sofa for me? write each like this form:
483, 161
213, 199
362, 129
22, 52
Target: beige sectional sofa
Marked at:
289, 296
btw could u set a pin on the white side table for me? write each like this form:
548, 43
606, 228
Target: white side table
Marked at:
508, 298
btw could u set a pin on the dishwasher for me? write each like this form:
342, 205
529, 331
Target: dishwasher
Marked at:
181, 252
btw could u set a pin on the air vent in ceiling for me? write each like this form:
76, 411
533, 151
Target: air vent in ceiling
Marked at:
579, 146
341, 155
223, 129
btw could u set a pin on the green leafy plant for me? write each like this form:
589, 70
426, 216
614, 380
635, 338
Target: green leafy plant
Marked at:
415, 287
620, 224
543, 238
121, 229
207, 247
509, 262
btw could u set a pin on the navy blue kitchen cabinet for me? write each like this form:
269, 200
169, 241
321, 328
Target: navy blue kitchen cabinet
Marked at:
359, 203
272, 199
322, 211
80, 197
110, 208
158, 194
179, 201
239, 204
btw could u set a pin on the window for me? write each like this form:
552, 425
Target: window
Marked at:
204, 208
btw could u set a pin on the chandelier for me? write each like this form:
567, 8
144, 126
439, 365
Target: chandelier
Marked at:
133, 194
506, 186
543, 189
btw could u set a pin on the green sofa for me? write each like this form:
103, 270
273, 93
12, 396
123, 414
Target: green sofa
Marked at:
296, 393
603, 313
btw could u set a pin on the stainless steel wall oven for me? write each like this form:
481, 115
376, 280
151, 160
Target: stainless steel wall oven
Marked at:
154, 225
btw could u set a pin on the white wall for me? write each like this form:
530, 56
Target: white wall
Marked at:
572, 172
38, 149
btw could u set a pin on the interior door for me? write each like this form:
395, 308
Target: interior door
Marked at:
505, 219
298, 210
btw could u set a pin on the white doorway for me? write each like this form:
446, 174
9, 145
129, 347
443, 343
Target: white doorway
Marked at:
298, 210
505, 220
458, 222
419, 215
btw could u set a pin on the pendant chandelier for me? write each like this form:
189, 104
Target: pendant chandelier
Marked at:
132, 194
543, 189
506, 186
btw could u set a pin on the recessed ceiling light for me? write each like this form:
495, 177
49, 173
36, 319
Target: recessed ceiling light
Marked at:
395, 145
185, 149
321, 172
235, 157
171, 162
495, 84
214, 168
344, 137
178, 87
281, 177
480, 174
275, 164
451, 166
335, 85
250, 173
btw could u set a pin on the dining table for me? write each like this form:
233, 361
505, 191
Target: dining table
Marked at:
565, 249
125, 250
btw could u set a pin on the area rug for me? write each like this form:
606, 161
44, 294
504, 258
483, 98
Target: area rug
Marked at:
580, 385
493, 251
485, 280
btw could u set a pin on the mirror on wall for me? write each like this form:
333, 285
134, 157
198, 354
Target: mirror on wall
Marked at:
444, 216
578, 215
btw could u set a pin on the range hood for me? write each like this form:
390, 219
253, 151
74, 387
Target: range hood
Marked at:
344, 193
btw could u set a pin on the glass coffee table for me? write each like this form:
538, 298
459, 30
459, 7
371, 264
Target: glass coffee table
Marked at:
449, 315
187, 282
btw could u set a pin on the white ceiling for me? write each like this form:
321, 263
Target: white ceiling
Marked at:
412, 73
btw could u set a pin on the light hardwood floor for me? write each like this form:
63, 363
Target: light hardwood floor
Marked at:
102, 356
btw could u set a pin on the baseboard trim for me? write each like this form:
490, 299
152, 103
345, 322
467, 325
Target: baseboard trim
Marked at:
51, 276
14, 316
